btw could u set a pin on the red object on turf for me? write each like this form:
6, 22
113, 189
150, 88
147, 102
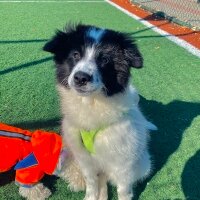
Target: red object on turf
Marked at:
32, 153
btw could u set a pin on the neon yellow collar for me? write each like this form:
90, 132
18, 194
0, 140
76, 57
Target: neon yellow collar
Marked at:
88, 138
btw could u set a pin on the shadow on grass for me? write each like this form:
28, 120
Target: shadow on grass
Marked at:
7, 177
157, 36
172, 120
26, 65
191, 178
148, 28
21, 41
50, 182
39, 124
160, 36
111, 191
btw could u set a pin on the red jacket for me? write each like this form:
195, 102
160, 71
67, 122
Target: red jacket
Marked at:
32, 154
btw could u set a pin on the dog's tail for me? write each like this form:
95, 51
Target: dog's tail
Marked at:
150, 126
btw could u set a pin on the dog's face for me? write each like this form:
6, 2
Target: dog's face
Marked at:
90, 59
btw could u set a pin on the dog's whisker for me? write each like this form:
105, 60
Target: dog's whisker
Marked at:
65, 81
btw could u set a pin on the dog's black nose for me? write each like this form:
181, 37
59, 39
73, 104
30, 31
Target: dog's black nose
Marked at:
81, 78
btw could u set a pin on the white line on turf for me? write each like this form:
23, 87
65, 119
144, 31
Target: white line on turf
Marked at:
193, 50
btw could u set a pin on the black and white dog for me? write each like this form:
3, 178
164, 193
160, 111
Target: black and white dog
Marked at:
93, 70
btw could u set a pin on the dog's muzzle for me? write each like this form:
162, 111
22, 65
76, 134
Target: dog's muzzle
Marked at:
81, 79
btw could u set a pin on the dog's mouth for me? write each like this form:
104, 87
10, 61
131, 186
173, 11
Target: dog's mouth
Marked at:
86, 88
84, 91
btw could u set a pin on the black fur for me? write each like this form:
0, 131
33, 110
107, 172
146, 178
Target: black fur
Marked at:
115, 54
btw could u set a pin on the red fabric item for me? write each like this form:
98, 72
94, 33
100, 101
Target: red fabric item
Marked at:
16, 144
51, 147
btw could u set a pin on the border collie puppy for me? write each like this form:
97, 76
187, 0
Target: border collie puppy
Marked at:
102, 124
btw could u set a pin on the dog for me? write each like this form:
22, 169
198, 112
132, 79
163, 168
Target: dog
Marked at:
93, 71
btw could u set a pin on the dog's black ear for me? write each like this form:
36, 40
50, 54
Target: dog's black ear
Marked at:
56, 43
134, 57
50, 46
132, 53
62, 40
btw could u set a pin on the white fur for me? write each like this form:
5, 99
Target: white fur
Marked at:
121, 154
37, 192
88, 65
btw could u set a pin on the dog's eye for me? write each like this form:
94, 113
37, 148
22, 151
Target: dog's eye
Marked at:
76, 55
105, 60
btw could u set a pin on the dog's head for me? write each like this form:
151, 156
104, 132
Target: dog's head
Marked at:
90, 59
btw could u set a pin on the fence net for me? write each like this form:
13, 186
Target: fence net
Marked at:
184, 12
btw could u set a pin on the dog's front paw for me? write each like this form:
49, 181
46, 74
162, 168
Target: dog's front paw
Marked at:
103, 195
89, 197
126, 197
72, 174
37, 192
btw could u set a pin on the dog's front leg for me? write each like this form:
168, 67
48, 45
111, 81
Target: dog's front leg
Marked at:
103, 193
73, 139
91, 180
37, 192
92, 192
125, 191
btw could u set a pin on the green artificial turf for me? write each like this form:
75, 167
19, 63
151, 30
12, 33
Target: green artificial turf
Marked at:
169, 85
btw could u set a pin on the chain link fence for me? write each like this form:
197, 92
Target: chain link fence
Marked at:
183, 12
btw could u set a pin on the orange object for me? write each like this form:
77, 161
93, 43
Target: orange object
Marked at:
32, 153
